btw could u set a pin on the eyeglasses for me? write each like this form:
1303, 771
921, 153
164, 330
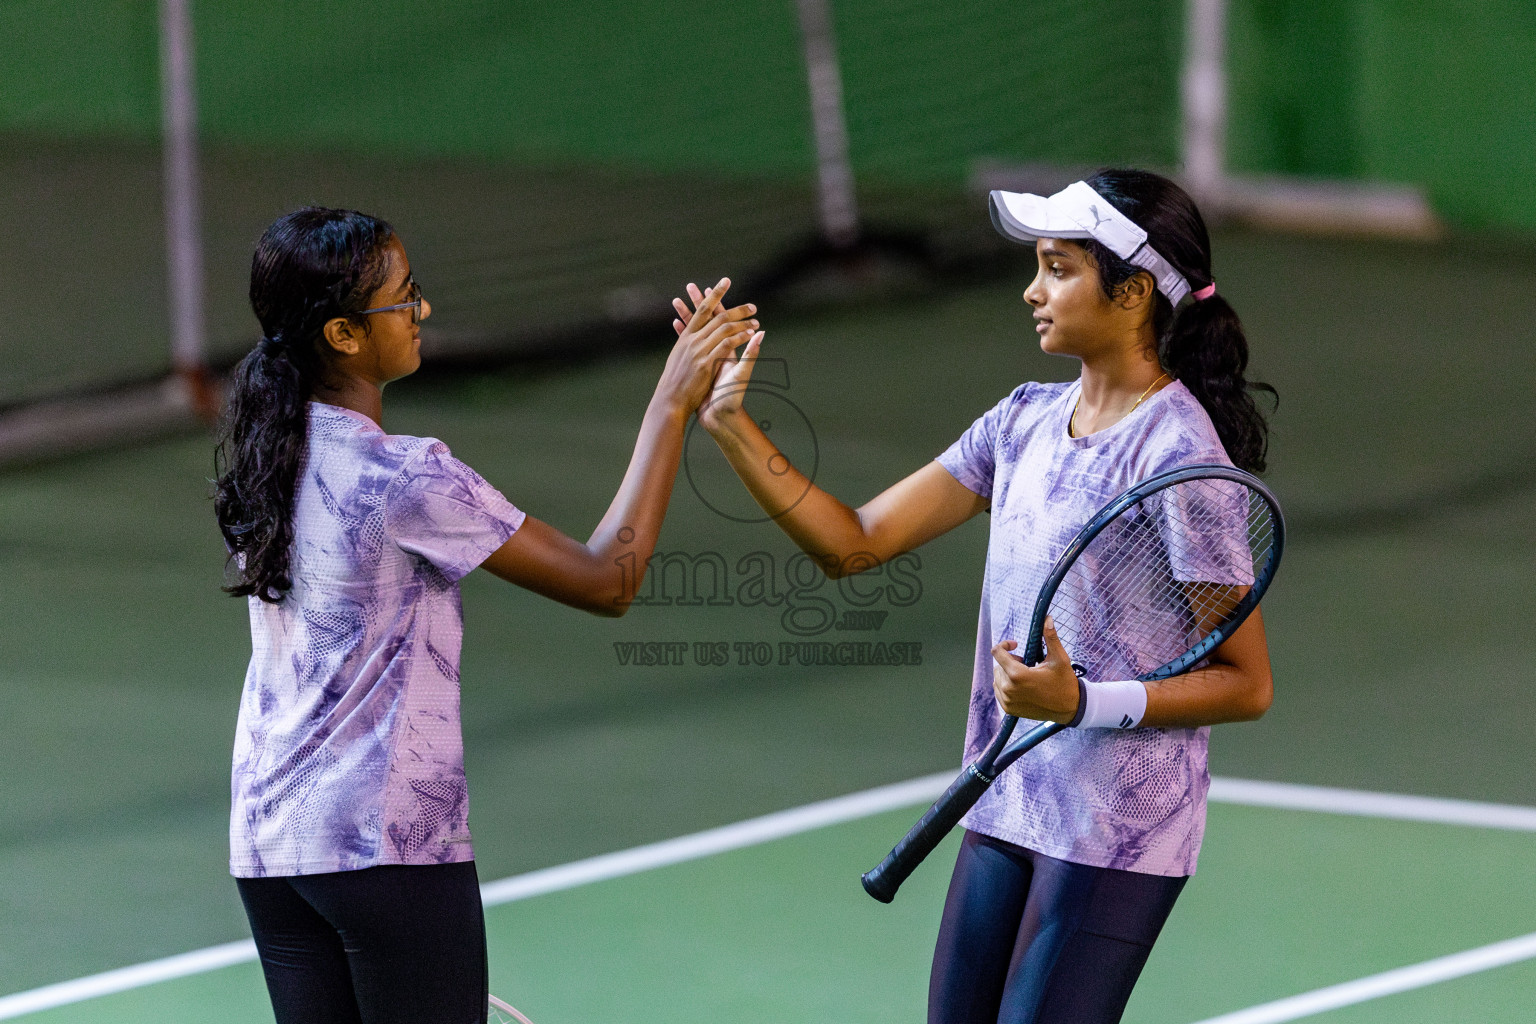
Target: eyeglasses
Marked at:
414, 305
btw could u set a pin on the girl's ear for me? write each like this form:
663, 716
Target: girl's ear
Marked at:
1140, 290
343, 336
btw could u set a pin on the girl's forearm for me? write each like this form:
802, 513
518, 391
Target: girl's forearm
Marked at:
1237, 685
821, 525
603, 575
626, 537
1208, 696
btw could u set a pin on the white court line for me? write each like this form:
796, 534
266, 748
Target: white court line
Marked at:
1292, 797
788, 823
751, 832
717, 840
125, 978
1403, 979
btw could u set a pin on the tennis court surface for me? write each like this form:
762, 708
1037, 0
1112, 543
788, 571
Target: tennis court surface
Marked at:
751, 923
1398, 627
671, 810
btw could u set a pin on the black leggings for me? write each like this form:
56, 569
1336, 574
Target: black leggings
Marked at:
376, 946
1028, 939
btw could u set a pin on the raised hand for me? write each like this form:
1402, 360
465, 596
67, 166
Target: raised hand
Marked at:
708, 335
732, 373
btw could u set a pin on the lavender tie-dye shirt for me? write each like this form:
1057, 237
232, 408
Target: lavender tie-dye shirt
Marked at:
1132, 799
348, 752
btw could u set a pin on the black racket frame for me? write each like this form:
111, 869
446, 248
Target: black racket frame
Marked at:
884, 879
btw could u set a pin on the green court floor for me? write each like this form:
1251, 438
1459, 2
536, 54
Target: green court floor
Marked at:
1284, 902
1399, 631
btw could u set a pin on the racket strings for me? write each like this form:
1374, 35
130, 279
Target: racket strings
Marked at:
1165, 574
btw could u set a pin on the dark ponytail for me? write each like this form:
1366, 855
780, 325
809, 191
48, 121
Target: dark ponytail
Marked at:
310, 266
1201, 344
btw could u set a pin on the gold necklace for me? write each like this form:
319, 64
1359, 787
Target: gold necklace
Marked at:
1147, 392
1072, 422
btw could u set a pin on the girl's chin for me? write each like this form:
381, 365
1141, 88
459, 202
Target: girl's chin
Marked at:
406, 368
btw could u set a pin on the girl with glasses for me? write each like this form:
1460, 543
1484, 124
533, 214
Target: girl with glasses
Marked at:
348, 830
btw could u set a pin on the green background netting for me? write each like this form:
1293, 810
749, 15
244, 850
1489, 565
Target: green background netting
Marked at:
684, 86
554, 165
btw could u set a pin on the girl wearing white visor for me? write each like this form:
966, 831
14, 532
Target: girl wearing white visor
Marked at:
1071, 862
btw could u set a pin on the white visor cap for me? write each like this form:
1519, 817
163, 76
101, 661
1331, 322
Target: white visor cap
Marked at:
1077, 211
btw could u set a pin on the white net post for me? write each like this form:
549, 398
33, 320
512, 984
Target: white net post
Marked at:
1203, 92
834, 172
183, 228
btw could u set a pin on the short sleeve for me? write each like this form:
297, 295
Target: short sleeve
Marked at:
972, 459
439, 509
1205, 529
1204, 521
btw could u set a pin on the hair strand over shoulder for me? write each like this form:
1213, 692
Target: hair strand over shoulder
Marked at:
310, 267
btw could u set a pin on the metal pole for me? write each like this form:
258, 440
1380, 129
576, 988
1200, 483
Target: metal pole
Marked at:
1204, 94
834, 172
183, 229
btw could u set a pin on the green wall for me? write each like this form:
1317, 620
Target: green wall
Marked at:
1436, 92
1441, 94
682, 84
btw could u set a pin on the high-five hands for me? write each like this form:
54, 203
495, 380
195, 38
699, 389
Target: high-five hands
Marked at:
707, 336
1046, 692
732, 373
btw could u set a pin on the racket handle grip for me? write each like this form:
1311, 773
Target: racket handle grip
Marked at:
884, 879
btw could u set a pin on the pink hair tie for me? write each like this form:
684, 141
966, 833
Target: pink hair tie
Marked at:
1206, 292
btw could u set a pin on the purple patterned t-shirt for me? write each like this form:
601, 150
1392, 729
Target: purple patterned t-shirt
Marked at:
1132, 799
348, 751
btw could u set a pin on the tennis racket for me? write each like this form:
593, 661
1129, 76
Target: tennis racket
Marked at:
501, 1013
1154, 582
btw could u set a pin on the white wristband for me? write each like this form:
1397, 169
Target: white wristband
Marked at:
1116, 705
